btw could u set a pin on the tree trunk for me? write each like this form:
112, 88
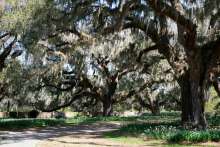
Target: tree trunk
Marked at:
108, 99
107, 106
186, 102
193, 101
1, 66
155, 110
153, 106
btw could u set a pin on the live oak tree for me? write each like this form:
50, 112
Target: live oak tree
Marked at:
109, 83
185, 32
159, 88
162, 89
110, 62
98, 77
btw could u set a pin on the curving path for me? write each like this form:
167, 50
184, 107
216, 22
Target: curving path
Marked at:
77, 135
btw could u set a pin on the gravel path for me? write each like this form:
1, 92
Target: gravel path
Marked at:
32, 138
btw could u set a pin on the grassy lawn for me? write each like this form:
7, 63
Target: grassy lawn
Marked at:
28, 123
166, 126
9, 124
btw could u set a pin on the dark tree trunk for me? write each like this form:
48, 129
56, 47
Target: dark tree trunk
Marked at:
155, 110
107, 106
108, 99
193, 98
1, 66
154, 106
186, 102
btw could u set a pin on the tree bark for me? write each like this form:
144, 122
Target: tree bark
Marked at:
108, 99
193, 101
155, 109
1, 66
107, 106
186, 103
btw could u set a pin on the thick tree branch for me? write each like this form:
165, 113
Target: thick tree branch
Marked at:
143, 103
75, 97
131, 93
122, 73
6, 52
4, 35
146, 50
164, 9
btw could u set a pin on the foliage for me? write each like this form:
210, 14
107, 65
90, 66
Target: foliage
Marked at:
212, 103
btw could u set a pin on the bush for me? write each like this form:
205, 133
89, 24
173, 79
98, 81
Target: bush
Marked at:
33, 114
13, 115
58, 115
27, 123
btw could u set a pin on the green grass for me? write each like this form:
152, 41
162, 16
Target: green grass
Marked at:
195, 136
167, 127
30, 123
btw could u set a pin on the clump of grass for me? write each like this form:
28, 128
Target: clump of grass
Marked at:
195, 136
161, 131
171, 133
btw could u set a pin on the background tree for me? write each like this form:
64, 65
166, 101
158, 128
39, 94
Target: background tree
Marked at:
158, 83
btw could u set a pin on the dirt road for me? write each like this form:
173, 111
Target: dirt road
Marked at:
60, 136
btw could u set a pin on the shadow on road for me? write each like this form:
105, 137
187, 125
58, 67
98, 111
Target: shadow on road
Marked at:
96, 129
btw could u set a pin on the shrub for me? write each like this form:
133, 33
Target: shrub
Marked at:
33, 114
13, 115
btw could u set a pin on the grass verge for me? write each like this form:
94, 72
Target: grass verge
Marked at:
168, 128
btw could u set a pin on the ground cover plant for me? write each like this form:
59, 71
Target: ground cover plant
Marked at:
168, 127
